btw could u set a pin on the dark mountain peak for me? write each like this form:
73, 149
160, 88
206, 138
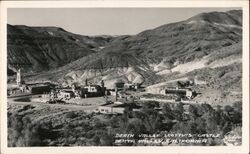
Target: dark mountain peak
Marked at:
236, 12
202, 21
50, 28
54, 28
45, 48
232, 17
182, 41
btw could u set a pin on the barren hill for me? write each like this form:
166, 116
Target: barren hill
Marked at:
43, 48
206, 48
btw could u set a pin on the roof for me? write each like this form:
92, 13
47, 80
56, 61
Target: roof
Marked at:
93, 85
67, 91
110, 104
175, 91
38, 85
133, 105
130, 84
119, 81
63, 88
178, 88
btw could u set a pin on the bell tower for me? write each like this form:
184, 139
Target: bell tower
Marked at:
18, 77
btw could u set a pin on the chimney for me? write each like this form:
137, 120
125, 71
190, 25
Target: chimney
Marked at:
86, 82
106, 96
116, 94
102, 84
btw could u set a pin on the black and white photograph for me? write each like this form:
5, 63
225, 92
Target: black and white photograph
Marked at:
124, 77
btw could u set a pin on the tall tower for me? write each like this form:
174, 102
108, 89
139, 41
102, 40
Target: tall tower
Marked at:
18, 77
102, 84
73, 87
86, 82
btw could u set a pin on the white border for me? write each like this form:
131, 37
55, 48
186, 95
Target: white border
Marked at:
121, 4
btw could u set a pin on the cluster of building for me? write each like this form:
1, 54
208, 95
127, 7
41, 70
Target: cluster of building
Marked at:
24, 88
89, 90
51, 92
123, 100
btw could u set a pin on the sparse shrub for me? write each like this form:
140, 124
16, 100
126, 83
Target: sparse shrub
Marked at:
98, 130
71, 140
228, 109
136, 126
193, 111
22, 132
152, 119
106, 140
179, 110
96, 140
167, 112
71, 115
237, 106
150, 104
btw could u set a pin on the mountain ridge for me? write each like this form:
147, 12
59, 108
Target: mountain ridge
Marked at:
154, 56
44, 48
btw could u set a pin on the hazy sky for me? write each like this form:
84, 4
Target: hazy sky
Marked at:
98, 21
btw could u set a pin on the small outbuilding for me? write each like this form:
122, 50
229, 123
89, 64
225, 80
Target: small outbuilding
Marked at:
116, 107
179, 92
39, 89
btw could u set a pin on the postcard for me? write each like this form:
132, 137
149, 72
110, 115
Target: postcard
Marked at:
124, 77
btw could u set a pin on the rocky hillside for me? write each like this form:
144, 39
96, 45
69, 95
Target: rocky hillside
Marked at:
44, 48
206, 48
206, 40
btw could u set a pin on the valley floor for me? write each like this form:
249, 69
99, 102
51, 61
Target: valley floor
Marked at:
40, 124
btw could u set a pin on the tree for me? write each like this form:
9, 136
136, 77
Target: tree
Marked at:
218, 108
106, 140
226, 128
96, 140
136, 126
237, 106
201, 125
236, 117
151, 104
179, 110
228, 109
123, 121
206, 108
193, 111
151, 117
211, 125
22, 132
114, 121
167, 112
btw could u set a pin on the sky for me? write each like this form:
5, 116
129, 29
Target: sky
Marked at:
103, 21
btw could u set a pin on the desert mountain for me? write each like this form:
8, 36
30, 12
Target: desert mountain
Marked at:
43, 48
206, 48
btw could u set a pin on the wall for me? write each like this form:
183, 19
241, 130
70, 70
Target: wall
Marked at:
105, 109
118, 110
